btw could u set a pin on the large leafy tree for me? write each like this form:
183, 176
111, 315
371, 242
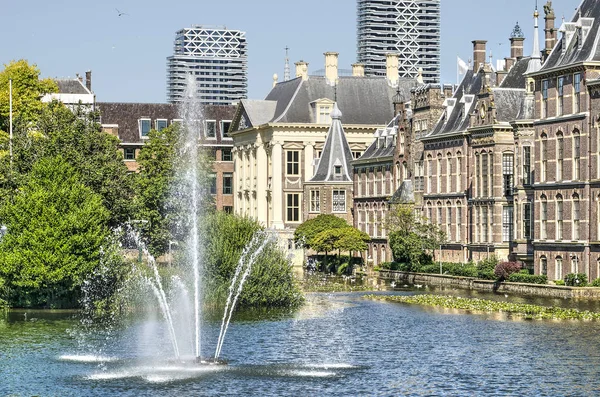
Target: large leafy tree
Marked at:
411, 236
55, 229
308, 231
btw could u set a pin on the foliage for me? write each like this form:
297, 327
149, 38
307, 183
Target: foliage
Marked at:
159, 192
504, 269
412, 238
559, 282
596, 283
307, 231
27, 89
525, 277
271, 282
486, 268
576, 280
55, 228
483, 305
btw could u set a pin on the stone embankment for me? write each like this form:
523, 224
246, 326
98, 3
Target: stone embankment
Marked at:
554, 291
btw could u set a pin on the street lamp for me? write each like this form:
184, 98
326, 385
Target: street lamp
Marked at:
170, 254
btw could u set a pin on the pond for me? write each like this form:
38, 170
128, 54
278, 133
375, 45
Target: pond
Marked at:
336, 345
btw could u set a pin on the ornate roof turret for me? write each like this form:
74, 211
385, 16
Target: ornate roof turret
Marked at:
517, 32
334, 164
535, 63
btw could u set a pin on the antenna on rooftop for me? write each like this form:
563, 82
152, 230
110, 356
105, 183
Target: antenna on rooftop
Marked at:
286, 71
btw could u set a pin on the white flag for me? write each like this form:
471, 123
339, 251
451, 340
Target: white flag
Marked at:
462, 66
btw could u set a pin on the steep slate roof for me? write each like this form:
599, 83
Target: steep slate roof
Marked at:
126, 116
515, 77
366, 100
71, 86
589, 50
509, 102
458, 119
404, 194
336, 153
377, 150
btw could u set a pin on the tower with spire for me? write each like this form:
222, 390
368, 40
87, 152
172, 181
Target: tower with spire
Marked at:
330, 190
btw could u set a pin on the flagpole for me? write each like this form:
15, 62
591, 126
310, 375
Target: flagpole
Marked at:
10, 137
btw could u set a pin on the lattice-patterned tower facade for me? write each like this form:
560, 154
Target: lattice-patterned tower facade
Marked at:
410, 28
217, 57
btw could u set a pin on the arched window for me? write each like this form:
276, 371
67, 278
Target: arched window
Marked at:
449, 173
543, 217
560, 153
459, 221
559, 217
544, 157
458, 171
558, 271
576, 216
439, 213
429, 173
543, 265
574, 264
438, 187
399, 176
477, 187
430, 212
449, 221
576, 155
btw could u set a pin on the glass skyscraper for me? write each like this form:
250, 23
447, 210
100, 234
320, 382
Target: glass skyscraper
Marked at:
217, 57
409, 28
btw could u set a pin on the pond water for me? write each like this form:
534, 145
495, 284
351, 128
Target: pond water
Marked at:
336, 345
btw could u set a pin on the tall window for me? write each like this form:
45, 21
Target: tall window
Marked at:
526, 165
458, 221
484, 222
558, 270
544, 218
560, 152
507, 173
429, 173
477, 175
293, 207
507, 224
439, 213
449, 173
544, 99
293, 162
576, 155
543, 265
576, 217
560, 83
449, 220
225, 124
339, 201
438, 187
458, 172
210, 128
544, 157
574, 264
145, 125
484, 174
213, 183
559, 217
577, 92
227, 183
527, 221
315, 201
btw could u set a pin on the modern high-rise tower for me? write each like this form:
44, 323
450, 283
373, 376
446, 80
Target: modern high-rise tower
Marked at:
217, 58
409, 28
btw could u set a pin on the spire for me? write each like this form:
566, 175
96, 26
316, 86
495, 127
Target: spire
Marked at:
286, 70
536, 36
334, 164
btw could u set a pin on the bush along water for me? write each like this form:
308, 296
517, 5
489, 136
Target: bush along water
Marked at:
576, 280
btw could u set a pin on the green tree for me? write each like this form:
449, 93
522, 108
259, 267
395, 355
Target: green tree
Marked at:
55, 229
160, 188
412, 238
27, 89
307, 231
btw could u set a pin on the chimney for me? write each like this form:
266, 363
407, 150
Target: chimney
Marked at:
479, 53
516, 47
302, 70
391, 66
358, 70
508, 63
549, 30
331, 67
88, 80
500, 75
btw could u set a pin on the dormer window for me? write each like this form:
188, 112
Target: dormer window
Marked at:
160, 124
324, 114
210, 128
337, 170
144, 126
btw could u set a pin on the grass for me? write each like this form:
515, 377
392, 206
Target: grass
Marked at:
487, 306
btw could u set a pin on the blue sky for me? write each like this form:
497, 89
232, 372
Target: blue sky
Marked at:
127, 54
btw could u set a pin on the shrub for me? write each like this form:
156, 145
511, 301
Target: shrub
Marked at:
504, 269
559, 282
486, 267
576, 279
528, 278
596, 283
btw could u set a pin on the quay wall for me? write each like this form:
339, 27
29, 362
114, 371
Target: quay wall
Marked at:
548, 290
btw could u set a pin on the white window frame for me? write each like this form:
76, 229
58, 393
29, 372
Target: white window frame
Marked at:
315, 201
338, 201
160, 120
222, 129
206, 123
141, 121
